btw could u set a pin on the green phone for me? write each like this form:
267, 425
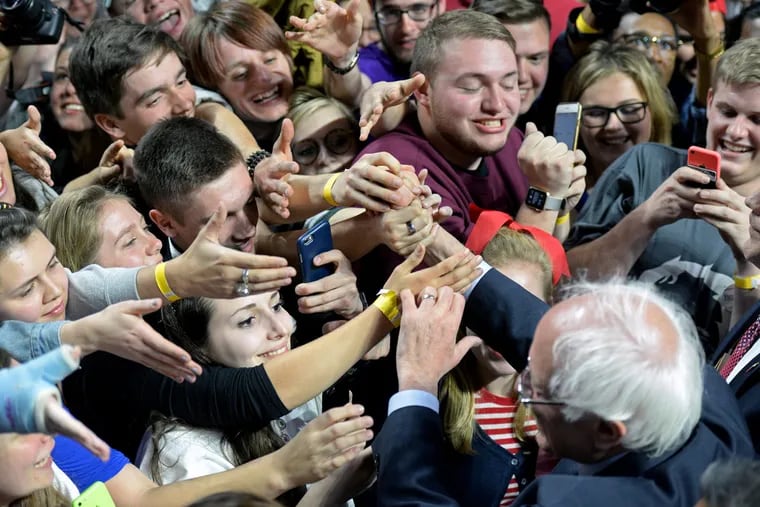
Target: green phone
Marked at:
96, 495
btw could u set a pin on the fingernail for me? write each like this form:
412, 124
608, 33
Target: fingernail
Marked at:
190, 378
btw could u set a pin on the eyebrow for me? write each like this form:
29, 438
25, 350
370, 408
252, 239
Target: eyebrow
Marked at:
157, 89
30, 280
478, 75
275, 296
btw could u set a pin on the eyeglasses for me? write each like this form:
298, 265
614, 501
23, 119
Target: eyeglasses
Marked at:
525, 391
338, 142
5, 205
598, 116
644, 42
391, 15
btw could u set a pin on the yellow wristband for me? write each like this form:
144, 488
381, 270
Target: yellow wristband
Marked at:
747, 282
716, 53
584, 27
163, 284
387, 302
327, 189
562, 219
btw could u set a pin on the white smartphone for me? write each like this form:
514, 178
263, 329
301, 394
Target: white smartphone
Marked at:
567, 120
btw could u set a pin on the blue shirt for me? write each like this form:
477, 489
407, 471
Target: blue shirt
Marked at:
82, 466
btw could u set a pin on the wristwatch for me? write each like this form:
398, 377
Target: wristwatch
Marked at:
540, 200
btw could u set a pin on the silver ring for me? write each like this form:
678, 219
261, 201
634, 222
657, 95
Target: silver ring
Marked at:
410, 227
242, 289
428, 296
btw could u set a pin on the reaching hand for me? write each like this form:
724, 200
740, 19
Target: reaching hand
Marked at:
402, 230
324, 445
270, 176
457, 272
331, 30
548, 164
427, 344
336, 292
373, 182
726, 210
674, 198
32, 403
27, 150
211, 270
120, 330
384, 95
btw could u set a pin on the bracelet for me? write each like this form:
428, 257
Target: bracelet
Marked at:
716, 53
327, 189
254, 159
343, 70
387, 303
163, 284
562, 219
584, 27
747, 282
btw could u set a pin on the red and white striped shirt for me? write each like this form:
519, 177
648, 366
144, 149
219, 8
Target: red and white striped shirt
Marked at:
496, 415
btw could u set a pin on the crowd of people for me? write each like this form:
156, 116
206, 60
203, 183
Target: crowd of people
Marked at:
504, 317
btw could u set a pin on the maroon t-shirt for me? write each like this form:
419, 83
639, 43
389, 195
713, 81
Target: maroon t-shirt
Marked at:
498, 184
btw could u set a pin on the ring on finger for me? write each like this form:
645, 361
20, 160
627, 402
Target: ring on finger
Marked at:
428, 296
411, 229
242, 289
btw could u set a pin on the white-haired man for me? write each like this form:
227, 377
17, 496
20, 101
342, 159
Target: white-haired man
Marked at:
616, 379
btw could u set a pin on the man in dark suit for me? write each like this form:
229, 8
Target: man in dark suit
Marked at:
616, 379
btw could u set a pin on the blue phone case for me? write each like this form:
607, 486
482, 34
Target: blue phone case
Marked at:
313, 242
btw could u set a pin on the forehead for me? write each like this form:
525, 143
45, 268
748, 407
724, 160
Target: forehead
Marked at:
25, 259
744, 95
115, 210
63, 58
493, 58
611, 90
324, 119
535, 32
233, 188
650, 23
158, 70
224, 308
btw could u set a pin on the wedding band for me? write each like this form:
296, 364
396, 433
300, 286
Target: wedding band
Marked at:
242, 289
428, 296
410, 227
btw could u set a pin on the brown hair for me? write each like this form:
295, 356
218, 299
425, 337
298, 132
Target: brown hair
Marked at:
739, 64
240, 23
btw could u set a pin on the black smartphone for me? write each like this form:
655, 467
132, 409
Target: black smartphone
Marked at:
311, 243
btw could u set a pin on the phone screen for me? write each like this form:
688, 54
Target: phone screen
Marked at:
566, 127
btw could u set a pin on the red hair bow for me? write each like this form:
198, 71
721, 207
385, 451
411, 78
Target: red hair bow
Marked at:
488, 223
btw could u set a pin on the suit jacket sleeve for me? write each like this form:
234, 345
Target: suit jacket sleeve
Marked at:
504, 315
408, 456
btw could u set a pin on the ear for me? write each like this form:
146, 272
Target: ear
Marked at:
710, 97
609, 434
164, 222
422, 94
441, 6
110, 126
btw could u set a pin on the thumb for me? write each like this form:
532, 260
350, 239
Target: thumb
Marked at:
35, 121
112, 152
408, 86
530, 128
212, 228
56, 365
282, 145
464, 345
140, 307
352, 9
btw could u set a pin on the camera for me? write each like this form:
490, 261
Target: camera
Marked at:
28, 22
661, 6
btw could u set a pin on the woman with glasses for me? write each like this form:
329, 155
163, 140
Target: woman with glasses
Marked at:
623, 104
326, 133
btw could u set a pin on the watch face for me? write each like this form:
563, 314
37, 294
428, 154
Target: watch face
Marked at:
535, 198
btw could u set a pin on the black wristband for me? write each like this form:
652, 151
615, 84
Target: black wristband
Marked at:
344, 70
254, 158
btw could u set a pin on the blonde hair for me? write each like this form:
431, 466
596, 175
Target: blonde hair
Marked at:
47, 497
458, 388
306, 101
738, 65
71, 223
604, 60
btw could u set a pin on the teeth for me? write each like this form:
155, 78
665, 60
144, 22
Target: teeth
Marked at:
266, 95
167, 15
615, 140
277, 352
491, 123
42, 462
73, 107
728, 145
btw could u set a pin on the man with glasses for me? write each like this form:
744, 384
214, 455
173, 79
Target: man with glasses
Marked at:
400, 23
616, 379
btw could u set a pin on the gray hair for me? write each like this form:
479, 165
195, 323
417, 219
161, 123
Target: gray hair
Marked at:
731, 483
608, 361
